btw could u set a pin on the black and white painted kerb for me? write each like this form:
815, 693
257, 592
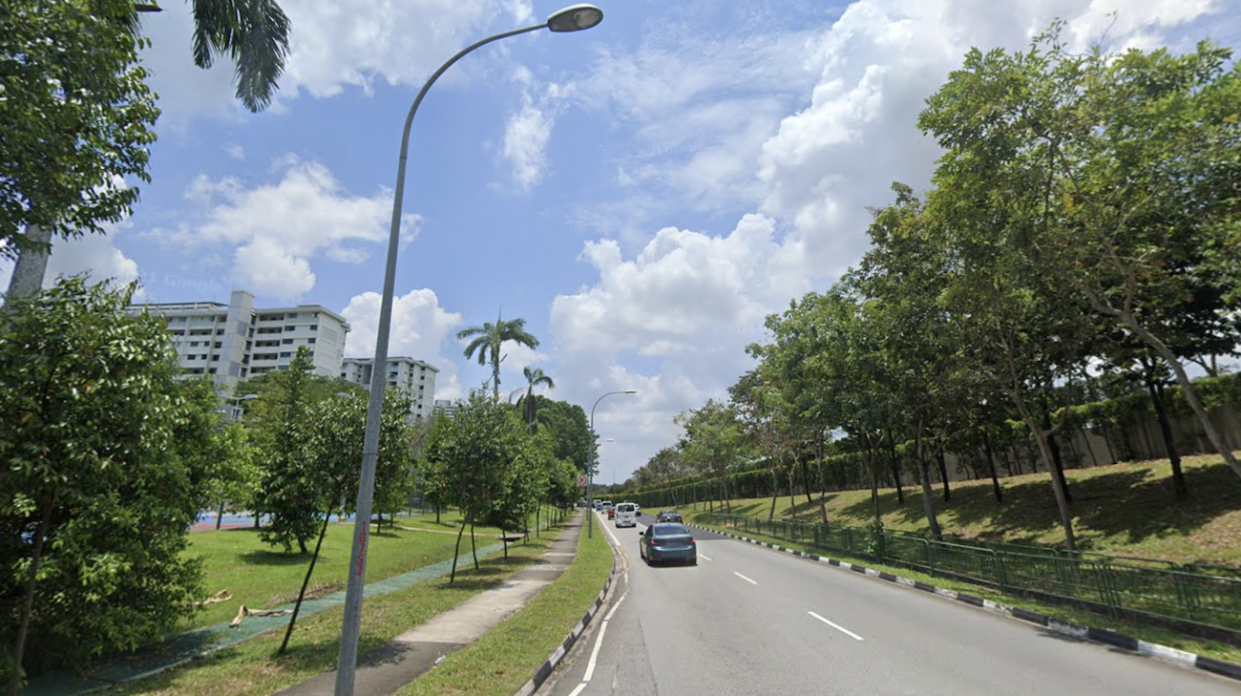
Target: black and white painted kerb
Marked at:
1100, 635
545, 670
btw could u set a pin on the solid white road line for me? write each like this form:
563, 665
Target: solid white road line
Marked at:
744, 578
578, 690
614, 608
594, 654
705, 558
836, 626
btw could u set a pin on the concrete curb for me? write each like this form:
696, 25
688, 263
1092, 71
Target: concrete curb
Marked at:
1075, 630
545, 670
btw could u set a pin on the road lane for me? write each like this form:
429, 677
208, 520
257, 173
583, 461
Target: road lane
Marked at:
804, 627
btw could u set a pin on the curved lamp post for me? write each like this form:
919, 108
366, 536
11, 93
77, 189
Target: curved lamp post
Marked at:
573, 18
590, 469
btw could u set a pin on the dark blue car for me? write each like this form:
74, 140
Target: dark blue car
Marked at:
667, 541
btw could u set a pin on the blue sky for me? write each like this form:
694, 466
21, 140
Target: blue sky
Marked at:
642, 193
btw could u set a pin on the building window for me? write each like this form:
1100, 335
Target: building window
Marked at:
219, 344
287, 341
311, 341
291, 316
286, 355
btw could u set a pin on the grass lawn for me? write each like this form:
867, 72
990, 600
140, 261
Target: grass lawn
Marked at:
506, 656
1121, 509
1215, 649
251, 668
262, 577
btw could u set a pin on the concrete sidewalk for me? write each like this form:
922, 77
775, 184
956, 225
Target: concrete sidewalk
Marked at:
385, 670
381, 671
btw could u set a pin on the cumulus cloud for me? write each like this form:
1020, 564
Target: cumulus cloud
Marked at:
420, 328
335, 44
528, 130
830, 125
274, 231
96, 254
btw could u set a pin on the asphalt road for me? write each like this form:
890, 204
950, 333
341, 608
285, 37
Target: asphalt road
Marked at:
747, 620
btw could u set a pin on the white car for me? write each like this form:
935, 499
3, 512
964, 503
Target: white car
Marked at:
626, 515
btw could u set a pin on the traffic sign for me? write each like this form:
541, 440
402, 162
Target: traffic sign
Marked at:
581, 480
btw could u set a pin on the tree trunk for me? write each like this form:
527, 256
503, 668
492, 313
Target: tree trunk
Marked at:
896, 469
943, 472
1187, 387
504, 539
27, 278
928, 501
305, 583
1165, 427
219, 516
805, 483
775, 494
473, 548
822, 485
792, 481
23, 627
457, 553
995, 480
1062, 500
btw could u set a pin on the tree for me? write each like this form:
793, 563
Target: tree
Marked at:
570, 429
97, 494
713, 442
1122, 168
77, 118
331, 448
488, 340
469, 458
291, 490
534, 378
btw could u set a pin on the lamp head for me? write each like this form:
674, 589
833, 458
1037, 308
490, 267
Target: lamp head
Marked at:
631, 391
575, 18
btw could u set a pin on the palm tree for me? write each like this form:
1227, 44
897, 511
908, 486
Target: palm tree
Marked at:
534, 378
487, 341
254, 34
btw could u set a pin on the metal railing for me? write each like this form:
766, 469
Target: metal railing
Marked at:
1116, 585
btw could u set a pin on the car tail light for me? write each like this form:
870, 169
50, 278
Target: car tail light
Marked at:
656, 542
691, 542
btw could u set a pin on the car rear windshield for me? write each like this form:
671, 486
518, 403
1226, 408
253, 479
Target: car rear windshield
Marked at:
670, 529
624, 508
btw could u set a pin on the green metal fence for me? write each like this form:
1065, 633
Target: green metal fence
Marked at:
1119, 585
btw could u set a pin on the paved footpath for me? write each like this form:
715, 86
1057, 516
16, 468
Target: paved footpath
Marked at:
381, 671
385, 670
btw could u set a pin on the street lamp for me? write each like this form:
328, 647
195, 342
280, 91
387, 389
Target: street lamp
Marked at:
590, 470
573, 18
233, 413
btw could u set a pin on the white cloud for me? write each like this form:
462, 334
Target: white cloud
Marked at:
419, 329
274, 231
528, 131
878, 64
236, 152
334, 44
673, 297
95, 254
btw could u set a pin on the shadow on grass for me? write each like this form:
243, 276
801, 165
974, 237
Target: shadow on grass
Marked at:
1129, 505
266, 557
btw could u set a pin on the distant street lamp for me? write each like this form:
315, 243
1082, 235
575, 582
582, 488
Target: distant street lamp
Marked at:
570, 19
234, 412
590, 469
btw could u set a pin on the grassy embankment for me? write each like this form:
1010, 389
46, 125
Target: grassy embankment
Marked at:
1122, 509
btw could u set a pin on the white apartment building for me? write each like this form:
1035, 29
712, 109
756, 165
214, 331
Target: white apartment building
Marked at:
236, 341
446, 406
413, 377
